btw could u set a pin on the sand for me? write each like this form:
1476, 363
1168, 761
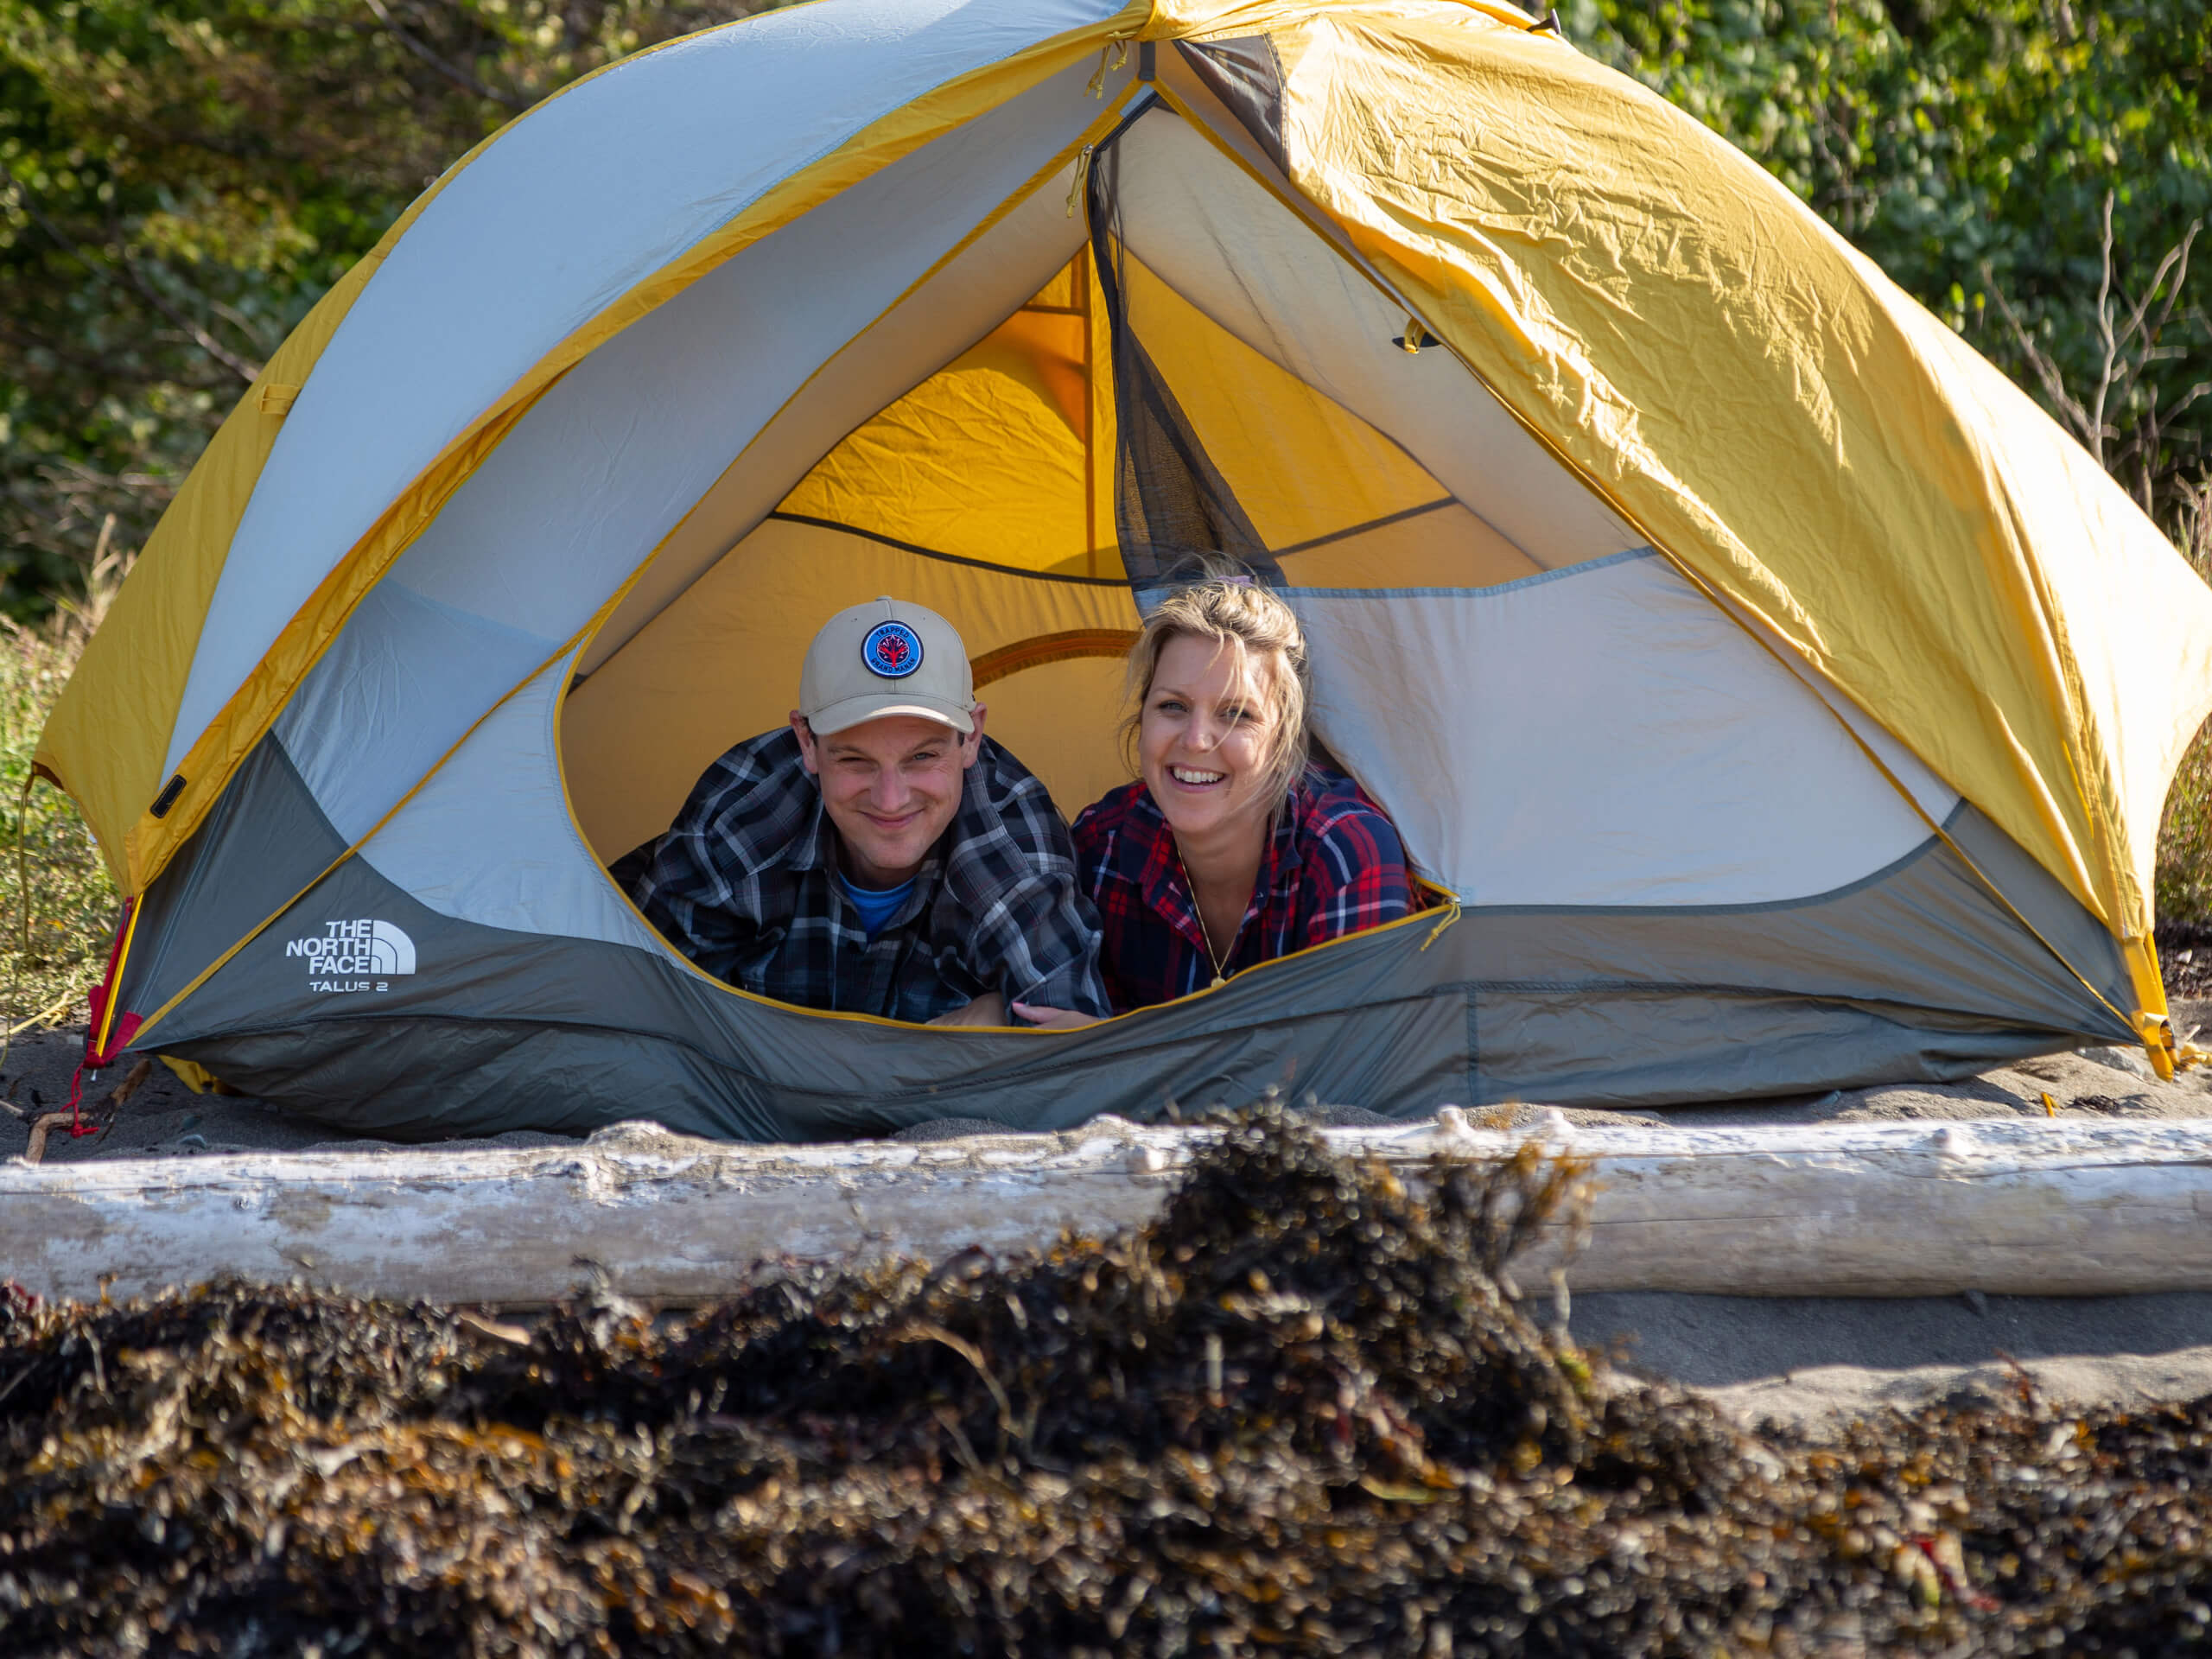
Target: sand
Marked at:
1799, 1359
1792, 1359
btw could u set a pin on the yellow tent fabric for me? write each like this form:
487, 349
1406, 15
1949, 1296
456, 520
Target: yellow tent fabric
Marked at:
1311, 472
720, 667
1005, 454
1783, 421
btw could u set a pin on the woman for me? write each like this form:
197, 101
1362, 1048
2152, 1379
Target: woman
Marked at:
1230, 848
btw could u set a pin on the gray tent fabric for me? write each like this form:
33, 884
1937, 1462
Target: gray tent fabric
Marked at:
1245, 75
266, 842
1915, 974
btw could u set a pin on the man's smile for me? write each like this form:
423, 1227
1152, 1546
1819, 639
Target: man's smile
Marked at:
893, 825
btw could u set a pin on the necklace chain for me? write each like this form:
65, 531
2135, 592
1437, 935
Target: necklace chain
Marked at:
1220, 962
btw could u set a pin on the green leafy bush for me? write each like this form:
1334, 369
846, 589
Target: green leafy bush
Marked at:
2184, 891
182, 180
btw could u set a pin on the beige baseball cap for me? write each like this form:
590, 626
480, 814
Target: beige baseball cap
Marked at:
885, 657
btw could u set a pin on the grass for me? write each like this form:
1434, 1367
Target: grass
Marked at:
56, 945
2181, 890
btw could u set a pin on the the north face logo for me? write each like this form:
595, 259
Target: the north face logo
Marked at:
365, 946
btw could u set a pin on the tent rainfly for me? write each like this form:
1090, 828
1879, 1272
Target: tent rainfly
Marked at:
1785, 699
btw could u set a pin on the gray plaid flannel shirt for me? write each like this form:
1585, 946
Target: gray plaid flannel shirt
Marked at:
745, 885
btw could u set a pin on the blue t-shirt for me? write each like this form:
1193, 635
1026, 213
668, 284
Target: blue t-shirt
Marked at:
876, 905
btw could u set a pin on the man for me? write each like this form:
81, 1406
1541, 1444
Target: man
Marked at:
880, 856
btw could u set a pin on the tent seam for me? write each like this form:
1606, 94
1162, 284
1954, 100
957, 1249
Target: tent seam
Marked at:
997, 214
1350, 531
778, 515
1581, 566
570, 645
1041, 1069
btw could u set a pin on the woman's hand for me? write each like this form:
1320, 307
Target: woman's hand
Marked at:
1054, 1018
989, 1009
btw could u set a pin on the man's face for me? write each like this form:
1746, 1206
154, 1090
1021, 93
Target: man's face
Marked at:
892, 787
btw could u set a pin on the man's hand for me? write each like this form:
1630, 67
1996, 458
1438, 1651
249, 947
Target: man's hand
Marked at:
1054, 1018
989, 1009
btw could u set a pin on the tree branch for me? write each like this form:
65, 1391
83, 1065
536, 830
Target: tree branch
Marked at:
2168, 415
2104, 330
238, 320
457, 76
2046, 370
246, 372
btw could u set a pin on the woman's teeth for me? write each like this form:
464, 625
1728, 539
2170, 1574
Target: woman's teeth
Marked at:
1186, 775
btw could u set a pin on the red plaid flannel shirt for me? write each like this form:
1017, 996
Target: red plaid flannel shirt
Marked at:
1333, 866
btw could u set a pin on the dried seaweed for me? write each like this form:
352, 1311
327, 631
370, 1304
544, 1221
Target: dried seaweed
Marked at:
1300, 1412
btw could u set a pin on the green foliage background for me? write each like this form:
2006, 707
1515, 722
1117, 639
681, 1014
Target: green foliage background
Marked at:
180, 180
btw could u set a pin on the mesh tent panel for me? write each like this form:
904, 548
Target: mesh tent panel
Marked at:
1170, 500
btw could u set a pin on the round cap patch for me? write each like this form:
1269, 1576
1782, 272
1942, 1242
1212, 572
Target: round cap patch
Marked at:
892, 649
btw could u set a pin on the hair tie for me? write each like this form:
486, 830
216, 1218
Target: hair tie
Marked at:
1238, 581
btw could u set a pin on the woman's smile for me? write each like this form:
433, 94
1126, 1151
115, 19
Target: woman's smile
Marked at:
1202, 736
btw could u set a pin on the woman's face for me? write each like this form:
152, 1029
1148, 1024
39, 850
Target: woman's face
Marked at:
1202, 738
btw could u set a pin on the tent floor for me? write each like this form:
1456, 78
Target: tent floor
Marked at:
1795, 1358
165, 1119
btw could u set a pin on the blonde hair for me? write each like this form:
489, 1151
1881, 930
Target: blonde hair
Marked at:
1243, 617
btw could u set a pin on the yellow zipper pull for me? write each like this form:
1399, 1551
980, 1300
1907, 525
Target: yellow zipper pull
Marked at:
1111, 57
1450, 915
1082, 178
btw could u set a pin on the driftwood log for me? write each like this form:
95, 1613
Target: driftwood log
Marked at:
1858, 1209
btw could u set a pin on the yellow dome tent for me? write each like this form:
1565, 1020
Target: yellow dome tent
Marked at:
1785, 699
